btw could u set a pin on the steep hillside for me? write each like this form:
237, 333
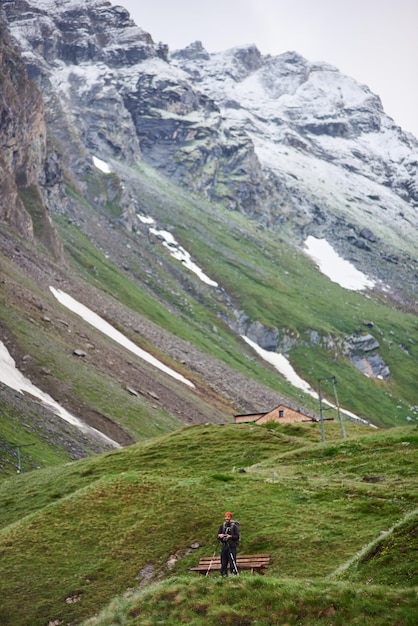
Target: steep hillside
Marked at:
130, 187
130, 523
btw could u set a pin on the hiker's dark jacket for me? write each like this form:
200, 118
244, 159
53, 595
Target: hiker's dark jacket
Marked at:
229, 528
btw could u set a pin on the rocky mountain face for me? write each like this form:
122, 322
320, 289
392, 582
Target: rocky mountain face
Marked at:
341, 166
296, 147
294, 144
24, 166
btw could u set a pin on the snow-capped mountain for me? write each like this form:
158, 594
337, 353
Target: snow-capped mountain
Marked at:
327, 151
207, 182
322, 137
297, 145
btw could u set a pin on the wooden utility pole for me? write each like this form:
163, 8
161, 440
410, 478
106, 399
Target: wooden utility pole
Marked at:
336, 407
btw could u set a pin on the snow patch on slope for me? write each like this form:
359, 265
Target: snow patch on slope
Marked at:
98, 322
284, 367
10, 376
337, 269
176, 250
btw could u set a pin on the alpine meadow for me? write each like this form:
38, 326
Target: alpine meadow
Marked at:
208, 303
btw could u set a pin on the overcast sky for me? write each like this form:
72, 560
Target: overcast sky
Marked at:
373, 41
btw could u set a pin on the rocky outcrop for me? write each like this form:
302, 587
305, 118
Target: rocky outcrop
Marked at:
78, 33
75, 52
264, 337
18, 164
28, 175
194, 51
362, 350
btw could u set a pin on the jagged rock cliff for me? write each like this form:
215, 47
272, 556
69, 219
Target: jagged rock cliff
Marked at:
111, 91
20, 125
28, 176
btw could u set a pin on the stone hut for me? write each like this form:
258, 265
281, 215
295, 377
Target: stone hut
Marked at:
281, 413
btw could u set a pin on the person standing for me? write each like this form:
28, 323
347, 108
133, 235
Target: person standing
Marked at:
228, 535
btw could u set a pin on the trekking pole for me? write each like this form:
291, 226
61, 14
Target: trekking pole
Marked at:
233, 561
210, 564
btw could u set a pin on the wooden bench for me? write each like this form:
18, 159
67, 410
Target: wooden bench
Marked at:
253, 562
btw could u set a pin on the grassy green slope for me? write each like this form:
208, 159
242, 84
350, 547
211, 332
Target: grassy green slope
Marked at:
271, 282
267, 278
75, 537
261, 600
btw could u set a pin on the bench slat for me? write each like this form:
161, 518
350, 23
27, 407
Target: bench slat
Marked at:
253, 562
203, 568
